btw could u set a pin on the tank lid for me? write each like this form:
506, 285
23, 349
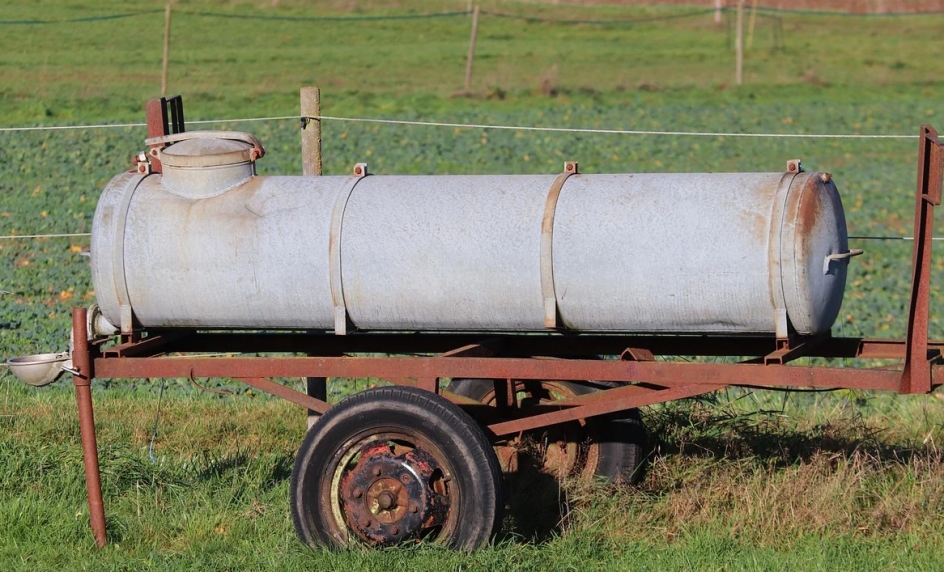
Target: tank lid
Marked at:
208, 149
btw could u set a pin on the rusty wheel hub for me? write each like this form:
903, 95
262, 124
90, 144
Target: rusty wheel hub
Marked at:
393, 493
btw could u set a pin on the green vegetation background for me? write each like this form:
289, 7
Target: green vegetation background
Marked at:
726, 488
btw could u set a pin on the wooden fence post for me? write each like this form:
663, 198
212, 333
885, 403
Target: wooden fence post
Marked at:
750, 26
471, 56
166, 50
316, 387
311, 130
739, 45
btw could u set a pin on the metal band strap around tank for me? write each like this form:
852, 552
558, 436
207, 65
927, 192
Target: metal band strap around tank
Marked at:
547, 245
778, 300
334, 248
126, 314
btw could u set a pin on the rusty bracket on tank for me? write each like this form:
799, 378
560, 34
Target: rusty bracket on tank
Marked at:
793, 348
150, 346
794, 166
341, 319
485, 348
165, 116
637, 354
916, 374
547, 245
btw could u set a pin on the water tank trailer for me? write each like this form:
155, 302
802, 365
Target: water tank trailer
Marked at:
543, 299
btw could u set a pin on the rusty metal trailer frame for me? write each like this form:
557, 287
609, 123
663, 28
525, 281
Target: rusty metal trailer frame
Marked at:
426, 359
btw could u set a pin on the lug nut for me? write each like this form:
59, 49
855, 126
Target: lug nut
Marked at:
358, 493
364, 522
405, 478
394, 529
414, 508
377, 472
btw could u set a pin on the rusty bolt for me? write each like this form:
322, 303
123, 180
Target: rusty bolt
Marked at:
364, 522
376, 471
386, 501
825, 177
394, 529
358, 493
405, 478
414, 508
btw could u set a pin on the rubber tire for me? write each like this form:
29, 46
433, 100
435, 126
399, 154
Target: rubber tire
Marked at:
622, 436
476, 472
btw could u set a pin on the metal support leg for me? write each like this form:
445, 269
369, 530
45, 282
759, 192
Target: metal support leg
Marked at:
318, 388
916, 375
82, 362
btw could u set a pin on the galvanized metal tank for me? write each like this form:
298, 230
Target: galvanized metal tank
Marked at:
208, 244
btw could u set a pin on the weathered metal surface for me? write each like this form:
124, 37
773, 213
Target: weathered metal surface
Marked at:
668, 374
395, 491
521, 345
83, 395
205, 167
916, 377
108, 263
248, 258
445, 253
600, 403
693, 252
813, 231
680, 253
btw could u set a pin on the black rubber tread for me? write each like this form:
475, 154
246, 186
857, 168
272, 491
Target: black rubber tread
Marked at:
622, 436
459, 437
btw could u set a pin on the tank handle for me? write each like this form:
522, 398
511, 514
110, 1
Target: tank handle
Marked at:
838, 257
258, 151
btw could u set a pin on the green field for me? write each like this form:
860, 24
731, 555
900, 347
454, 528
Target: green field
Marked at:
739, 481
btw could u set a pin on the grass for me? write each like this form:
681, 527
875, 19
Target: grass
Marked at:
741, 481
827, 485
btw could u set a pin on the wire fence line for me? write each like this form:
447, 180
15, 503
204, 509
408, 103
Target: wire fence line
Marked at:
468, 126
430, 15
61, 235
486, 126
616, 131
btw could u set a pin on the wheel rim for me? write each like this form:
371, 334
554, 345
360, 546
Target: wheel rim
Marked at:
563, 450
389, 486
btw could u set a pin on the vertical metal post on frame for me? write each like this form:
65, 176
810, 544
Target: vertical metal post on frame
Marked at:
916, 374
82, 379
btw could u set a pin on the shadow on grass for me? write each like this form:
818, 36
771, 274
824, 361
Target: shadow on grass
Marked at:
700, 428
536, 505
